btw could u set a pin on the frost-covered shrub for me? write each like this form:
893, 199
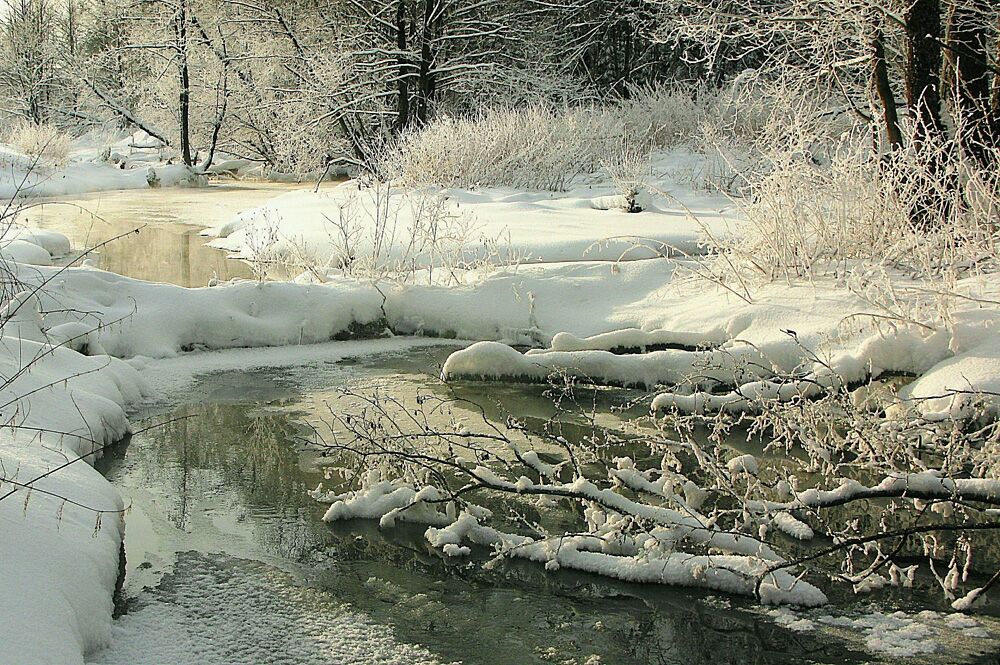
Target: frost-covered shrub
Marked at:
542, 147
665, 116
531, 148
852, 208
751, 124
39, 141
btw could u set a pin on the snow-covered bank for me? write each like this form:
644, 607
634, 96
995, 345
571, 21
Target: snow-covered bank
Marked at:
93, 164
61, 532
60, 519
820, 333
91, 176
524, 306
423, 226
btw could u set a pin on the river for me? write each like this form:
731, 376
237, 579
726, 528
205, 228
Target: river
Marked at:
228, 561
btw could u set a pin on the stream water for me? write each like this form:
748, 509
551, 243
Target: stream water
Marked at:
167, 247
228, 561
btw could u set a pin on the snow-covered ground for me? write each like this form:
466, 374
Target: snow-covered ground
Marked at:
587, 222
96, 162
571, 299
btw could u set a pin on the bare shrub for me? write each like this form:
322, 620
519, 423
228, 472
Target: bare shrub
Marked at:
40, 141
540, 146
382, 232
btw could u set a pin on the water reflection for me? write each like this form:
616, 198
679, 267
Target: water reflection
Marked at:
168, 247
228, 478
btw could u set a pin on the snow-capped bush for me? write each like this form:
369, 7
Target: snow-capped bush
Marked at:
629, 169
531, 148
39, 141
542, 147
813, 213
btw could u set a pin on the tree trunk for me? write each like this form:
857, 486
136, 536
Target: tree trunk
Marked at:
880, 82
970, 82
402, 84
923, 68
425, 74
184, 76
629, 58
928, 206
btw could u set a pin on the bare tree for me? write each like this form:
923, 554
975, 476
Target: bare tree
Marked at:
29, 74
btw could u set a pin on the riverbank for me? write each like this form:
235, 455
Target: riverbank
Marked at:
84, 346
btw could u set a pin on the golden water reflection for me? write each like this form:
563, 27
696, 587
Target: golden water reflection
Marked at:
168, 247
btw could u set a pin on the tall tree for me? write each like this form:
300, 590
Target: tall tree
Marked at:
29, 67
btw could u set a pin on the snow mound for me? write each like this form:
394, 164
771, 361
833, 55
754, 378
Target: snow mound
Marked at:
33, 247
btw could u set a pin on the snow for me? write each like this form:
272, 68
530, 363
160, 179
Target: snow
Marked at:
787, 618
728, 573
532, 226
132, 162
570, 300
788, 524
22, 251
148, 321
746, 464
386, 501
895, 634
60, 562
32, 246
636, 338
56, 244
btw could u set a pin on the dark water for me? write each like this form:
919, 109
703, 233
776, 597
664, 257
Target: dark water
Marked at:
229, 562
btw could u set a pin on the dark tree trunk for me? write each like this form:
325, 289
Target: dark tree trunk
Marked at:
425, 73
883, 88
184, 77
969, 48
923, 69
928, 207
628, 59
996, 84
402, 84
